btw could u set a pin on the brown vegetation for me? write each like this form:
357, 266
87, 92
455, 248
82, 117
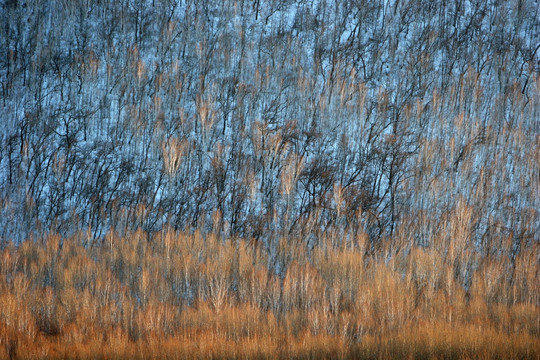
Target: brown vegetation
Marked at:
191, 296
270, 179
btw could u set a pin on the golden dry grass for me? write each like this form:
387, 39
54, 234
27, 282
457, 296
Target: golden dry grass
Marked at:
182, 296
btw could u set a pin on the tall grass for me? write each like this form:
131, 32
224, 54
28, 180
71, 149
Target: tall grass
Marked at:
179, 295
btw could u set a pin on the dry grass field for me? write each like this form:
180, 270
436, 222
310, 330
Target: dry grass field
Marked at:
185, 296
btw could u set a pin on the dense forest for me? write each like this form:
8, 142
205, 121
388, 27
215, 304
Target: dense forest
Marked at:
270, 178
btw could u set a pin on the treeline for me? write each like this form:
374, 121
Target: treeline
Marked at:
270, 118
181, 296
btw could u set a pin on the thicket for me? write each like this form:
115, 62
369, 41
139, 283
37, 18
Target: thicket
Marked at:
376, 162
188, 296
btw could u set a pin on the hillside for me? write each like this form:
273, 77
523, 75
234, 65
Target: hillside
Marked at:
379, 160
